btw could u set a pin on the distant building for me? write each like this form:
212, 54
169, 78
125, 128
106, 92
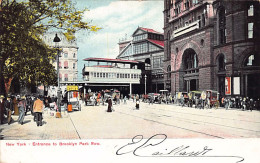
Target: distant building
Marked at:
147, 45
68, 61
105, 73
212, 45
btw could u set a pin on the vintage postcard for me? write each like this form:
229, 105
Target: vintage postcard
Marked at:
129, 81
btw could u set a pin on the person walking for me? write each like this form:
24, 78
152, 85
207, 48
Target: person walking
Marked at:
21, 107
244, 104
31, 107
251, 104
37, 109
9, 108
226, 103
125, 99
137, 102
2, 109
109, 107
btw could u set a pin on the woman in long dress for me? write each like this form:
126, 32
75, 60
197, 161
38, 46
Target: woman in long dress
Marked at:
109, 108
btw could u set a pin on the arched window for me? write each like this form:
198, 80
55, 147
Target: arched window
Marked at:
190, 59
221, 63
252, 60
147, 64
222, 25
65, 54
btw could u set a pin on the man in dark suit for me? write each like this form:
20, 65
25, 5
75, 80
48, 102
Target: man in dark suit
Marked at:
9, 108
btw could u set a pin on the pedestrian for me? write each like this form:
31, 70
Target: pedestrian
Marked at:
222, 101
258, 104
137, 102
109, 107
196, 102
244, 104
21, 107
226, 101
251, 104
201, 103
2, 109
28, 102
32, 102
37, 109
9, 109
125, 99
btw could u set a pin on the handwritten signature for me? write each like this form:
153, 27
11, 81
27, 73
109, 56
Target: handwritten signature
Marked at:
152, 147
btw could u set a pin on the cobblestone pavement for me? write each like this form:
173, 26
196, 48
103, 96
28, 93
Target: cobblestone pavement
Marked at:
125, 122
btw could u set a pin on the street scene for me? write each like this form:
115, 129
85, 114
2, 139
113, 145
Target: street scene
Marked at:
126, 121
67, 72
111, 80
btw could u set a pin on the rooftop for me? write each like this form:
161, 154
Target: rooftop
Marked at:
111, 60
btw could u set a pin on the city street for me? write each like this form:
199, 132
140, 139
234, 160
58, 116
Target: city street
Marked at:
126, 122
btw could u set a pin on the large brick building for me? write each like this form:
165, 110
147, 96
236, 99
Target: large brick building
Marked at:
212, 45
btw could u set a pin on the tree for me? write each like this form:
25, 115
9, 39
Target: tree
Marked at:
23, 53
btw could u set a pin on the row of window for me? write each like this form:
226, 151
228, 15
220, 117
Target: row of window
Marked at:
66, 54
186, 5
66, 65
222, 31
140, 37
193, 17
157, 62
114, 75
143, 48
66, 78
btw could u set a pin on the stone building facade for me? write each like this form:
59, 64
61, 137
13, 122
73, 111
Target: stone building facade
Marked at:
212, 45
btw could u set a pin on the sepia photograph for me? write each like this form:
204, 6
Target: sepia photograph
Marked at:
129, 81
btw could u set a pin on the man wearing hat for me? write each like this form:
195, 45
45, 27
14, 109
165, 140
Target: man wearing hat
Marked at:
1, 109
22, 107
37, 109
9, 108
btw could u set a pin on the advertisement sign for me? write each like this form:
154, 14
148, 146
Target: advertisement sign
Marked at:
72, 88
228, 85
236, 85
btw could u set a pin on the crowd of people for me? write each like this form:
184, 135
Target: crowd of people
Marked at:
21, 105
245, 103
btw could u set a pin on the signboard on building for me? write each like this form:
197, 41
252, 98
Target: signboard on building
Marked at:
228, 86
72, 88
236, 85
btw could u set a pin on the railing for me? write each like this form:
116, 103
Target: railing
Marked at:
186, 29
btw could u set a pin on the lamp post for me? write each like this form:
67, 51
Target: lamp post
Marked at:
145, 84
56, 40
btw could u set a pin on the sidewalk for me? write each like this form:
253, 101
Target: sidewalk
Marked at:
52, 128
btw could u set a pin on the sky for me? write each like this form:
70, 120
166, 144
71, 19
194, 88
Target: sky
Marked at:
118, 20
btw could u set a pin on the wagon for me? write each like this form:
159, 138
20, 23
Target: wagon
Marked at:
213, 98
72, 98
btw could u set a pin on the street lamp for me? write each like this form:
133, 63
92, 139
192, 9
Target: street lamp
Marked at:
145, 84
156, 77
56, 40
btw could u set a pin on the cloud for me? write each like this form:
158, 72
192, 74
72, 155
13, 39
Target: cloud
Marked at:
117, 19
